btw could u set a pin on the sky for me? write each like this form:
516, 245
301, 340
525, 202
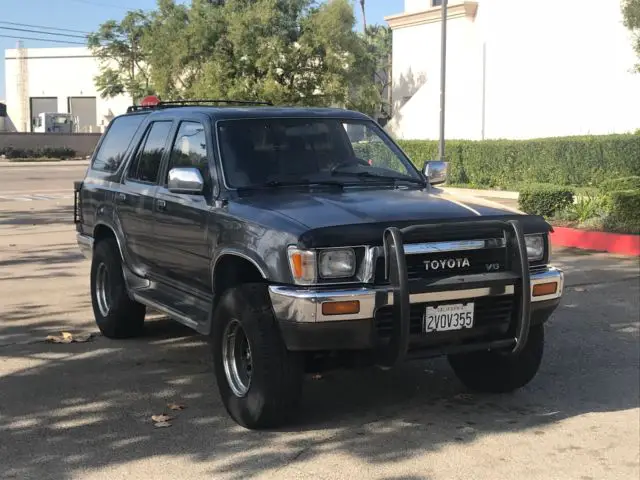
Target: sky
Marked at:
86, 15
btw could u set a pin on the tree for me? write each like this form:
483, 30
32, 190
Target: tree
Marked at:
119, 47
631, 15
379, 41
289, 52
294, 52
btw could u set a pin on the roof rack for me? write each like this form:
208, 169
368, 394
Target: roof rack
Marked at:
153, 103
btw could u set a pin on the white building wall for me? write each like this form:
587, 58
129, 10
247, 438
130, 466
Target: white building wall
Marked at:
60, 73
416, 74
553, 68
416, 5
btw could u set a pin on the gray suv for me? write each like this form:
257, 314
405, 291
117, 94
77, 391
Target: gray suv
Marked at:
303, 239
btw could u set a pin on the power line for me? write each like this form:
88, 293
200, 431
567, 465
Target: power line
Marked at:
43, 40
43, 27
55, 34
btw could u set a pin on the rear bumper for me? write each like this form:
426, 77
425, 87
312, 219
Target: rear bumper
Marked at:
305, 326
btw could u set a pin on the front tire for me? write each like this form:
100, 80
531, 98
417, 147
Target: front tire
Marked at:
259, 380
116, 314
496, 372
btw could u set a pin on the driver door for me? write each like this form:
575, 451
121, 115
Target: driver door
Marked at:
182, 220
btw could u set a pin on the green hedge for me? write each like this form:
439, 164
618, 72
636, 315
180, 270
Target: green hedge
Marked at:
577, 161
625, 209
623, 183
44, 152
545, 200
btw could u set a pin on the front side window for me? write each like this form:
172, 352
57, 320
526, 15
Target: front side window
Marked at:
190, 148
146, 163
258, 152
111, 153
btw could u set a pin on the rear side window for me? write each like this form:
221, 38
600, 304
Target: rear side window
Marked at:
111, 153
146, 164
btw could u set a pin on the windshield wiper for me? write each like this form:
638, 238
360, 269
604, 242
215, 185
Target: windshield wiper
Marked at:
293, 183
382, 178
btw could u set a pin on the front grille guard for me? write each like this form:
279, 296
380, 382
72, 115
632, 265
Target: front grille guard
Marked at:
395, 351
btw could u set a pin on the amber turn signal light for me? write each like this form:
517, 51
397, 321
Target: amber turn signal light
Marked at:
542, 289
341, 308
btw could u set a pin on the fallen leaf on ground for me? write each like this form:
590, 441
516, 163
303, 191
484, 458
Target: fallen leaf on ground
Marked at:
463, 396
66, 337
162, 424
160, 418
466, 429
85, 337
175, 406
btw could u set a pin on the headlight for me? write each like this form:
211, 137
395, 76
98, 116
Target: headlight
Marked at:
307, 265
338, 263
535, 247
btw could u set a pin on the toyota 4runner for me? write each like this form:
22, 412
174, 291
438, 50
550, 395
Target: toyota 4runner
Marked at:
300, 239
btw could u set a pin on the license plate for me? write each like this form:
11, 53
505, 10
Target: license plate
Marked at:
445, 318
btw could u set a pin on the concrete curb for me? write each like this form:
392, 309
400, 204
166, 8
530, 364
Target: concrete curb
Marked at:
61, 163
623, 244
482, 193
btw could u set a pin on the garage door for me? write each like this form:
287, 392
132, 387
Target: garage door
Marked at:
84, 108
42, 105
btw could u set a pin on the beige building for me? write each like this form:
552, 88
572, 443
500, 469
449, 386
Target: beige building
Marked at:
57, 80
515, 69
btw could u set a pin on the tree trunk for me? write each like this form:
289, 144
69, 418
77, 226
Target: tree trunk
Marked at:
364, 16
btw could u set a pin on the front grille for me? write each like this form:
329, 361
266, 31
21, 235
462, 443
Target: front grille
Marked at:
445, 264
488, 312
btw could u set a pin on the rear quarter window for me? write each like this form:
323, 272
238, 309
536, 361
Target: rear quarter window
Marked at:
113, 148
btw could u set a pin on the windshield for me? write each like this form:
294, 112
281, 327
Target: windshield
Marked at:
281, 151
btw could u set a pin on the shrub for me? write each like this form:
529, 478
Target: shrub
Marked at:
580, 161
587, 207
545, 200
43, 152
625, 209
622, 183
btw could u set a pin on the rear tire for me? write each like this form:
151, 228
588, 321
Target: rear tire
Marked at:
259, 380
495, 372
116, 314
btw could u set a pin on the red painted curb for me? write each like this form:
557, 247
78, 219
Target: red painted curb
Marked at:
601, 241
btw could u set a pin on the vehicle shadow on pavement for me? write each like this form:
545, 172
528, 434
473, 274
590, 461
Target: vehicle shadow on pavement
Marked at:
60, 215
73, 408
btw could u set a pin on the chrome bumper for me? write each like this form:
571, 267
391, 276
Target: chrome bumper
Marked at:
296, 304
85, 243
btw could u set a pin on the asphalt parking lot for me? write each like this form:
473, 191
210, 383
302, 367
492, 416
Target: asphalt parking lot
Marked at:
83, 410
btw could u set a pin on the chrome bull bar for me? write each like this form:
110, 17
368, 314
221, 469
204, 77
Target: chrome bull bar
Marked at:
396, 274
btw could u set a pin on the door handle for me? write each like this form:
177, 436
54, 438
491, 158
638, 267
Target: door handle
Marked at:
162, 205
121, 197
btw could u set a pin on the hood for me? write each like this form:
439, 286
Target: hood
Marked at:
361, 215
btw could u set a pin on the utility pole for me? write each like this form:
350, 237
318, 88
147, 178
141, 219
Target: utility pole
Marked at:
443, 76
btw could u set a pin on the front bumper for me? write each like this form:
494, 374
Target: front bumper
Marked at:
85, 244
305, 326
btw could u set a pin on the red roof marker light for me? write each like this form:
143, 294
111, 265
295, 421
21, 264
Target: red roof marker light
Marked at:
150, 101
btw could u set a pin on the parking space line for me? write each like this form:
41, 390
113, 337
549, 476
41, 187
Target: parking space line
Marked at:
35, 197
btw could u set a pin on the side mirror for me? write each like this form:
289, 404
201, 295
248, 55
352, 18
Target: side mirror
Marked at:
185, 180
436, 171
